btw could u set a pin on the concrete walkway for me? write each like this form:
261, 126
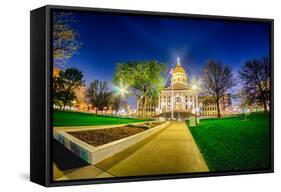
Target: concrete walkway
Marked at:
173, 150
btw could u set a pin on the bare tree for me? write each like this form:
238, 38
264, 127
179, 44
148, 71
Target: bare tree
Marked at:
255, 75
217, 79
66, 39
98, 94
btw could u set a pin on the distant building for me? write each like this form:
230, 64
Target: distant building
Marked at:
208, 106
226, 102
151, 108
56, 72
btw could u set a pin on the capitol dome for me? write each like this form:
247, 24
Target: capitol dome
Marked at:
178, 69
179, 75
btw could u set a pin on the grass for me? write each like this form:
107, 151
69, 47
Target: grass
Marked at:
234, 143
68, 118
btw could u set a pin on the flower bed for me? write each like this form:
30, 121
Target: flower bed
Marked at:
104, 136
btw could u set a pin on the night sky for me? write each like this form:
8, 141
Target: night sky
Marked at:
110, 39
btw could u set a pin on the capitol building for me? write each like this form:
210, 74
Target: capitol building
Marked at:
179, 96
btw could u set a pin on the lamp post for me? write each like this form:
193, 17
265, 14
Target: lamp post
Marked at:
121, 92
195, 89
172, 99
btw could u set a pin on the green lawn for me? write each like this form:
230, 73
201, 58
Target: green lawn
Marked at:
67, 118
233, 143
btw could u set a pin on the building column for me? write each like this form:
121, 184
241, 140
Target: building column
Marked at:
188, 101
193, 101
167, 103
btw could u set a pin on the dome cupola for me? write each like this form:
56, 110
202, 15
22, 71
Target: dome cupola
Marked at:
179, 75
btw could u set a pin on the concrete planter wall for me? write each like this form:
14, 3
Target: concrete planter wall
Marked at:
93, 154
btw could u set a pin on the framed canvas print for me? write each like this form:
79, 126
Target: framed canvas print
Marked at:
120, 95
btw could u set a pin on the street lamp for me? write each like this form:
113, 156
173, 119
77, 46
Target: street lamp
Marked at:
121, 92
195, 89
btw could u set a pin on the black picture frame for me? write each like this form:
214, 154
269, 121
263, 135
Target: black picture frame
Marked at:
41, 91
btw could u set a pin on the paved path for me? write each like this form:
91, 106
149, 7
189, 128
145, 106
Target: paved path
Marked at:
173, 150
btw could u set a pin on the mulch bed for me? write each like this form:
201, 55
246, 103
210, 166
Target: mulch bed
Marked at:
102, 136
154, 124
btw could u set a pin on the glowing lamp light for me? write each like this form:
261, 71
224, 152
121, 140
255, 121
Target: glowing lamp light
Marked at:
194, 87
122, 90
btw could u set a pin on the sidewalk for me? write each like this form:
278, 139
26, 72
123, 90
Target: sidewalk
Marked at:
173, 150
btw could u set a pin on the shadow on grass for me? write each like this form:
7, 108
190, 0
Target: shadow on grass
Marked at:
65, 159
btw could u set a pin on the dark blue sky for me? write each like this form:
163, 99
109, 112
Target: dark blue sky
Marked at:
109, 39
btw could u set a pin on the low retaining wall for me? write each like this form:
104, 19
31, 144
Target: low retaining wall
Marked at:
87, 127
93, 154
